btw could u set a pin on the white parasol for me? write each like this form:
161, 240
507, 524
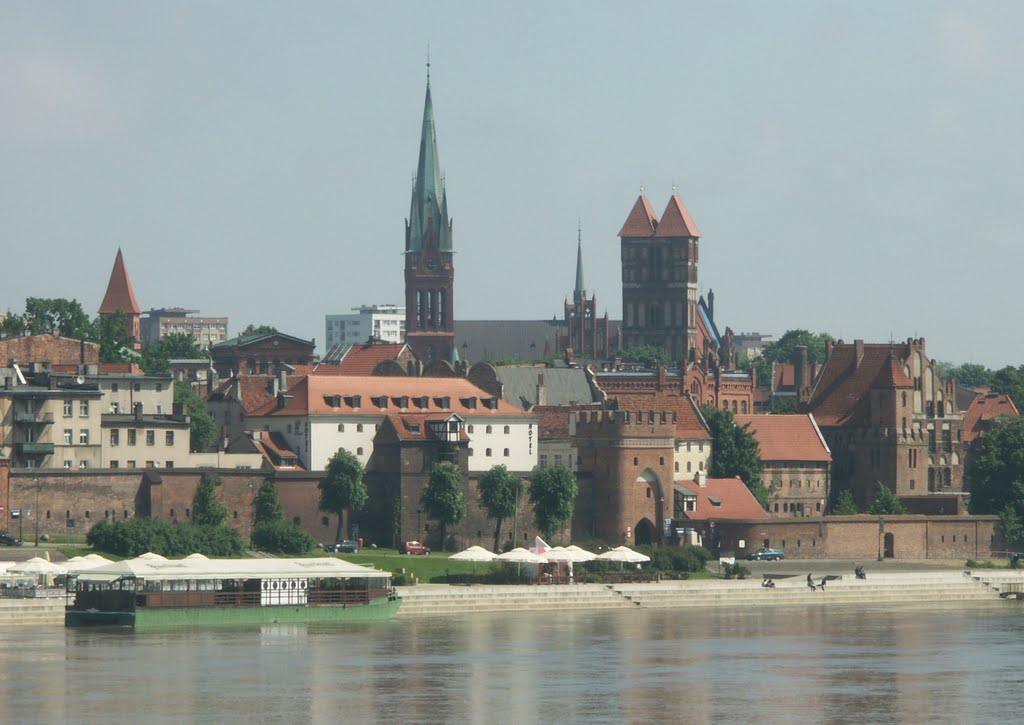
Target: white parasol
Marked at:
624, 555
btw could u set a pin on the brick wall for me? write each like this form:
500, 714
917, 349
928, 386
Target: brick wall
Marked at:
51, 349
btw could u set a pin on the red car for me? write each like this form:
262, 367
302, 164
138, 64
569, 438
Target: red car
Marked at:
413, 547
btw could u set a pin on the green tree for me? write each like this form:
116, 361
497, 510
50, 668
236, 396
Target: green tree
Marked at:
968, 375
782, 406
886, 502
553, 492
281, 537
782, 351
734, 450
203, 431
13, 325
1010, 380
500, 492
116, 342
650, 356
342, 486
57, 316
1011, 520
252, 329
995, 468
207, 510
443, 498
845, 504
175, 346
267, 505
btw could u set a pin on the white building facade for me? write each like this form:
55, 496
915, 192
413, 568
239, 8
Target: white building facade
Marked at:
383, 322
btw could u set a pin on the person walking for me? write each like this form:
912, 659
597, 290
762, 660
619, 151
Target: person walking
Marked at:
810, 583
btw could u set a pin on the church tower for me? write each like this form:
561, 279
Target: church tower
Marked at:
429, 268
659, 279
121, 296
586, 334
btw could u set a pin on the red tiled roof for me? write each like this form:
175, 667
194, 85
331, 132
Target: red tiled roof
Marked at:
641, 221
984, 409
275, 449
120, 295
362, 359
314, 396
413, 426
787, 437
840, 396
676, 221
892, 376
736, 502
256, 391
785, 376
689, 422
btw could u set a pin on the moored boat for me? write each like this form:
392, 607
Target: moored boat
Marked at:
151, 592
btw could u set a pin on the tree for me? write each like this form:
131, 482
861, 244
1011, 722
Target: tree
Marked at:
886, 502
267, 506
500, 492
782, 350
116, 342
443, 498
968, 375
845, 504
175, 346
995, 468
259, 330
342, 486
13, 325
207, 510
734, 450
553, 492
650, 356
57, 316
203, 427
1010, 380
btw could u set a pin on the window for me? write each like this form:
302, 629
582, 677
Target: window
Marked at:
487, 452
543, 459
83, 408
689, 446
469, 428
169, 464
150, 464
115, 437
487, 429
115, 407
83, 436
136, 387
507, 430
359, 427
132, 433
506, 453
150, 437
68, 408
81, 464
67, 464
636, 461
67, 436
689, 466
169, 438
130, 464
159, 387
677, 466
359, 451
113, 387
341, 427
113, 464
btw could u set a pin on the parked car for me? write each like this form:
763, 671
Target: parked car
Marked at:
413, 547
8, 539
766, 554
348, 546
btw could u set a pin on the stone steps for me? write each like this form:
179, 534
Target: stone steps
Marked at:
19, 612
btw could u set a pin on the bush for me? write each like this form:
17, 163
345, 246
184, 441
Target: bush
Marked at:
401, 579
975, 564
735, 571
137, 536
281, 537
670, 560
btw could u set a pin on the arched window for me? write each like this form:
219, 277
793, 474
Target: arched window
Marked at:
487, 429
636, 461
507, 430
487, 452
506, 453
359, 451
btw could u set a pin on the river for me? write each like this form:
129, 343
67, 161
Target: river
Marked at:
947, 664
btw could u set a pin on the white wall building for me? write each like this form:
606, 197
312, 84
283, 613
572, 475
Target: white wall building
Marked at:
385, 322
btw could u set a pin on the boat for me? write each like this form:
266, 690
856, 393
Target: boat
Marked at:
151, 592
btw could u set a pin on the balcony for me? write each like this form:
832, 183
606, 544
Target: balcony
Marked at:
37, 417
34, 449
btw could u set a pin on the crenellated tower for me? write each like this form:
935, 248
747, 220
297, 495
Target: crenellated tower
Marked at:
429, 268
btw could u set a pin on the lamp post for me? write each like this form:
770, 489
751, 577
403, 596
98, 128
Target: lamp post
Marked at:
35, 480
418, 512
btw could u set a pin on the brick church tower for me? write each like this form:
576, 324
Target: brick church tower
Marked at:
659, 279
429, 268
120, 295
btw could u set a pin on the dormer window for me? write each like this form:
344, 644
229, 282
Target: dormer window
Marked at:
381, 401
402, 401
443, 402
468, 403
333, 400
422, 402
491, 403
353, 401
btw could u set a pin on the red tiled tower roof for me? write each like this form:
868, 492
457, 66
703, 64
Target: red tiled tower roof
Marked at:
676, 221
840, 396
892, 376
120, 295
641, 221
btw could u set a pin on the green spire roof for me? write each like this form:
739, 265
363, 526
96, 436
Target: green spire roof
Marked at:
580, 290
429, 212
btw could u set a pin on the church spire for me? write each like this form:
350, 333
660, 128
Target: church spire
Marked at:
428, 215
581, 290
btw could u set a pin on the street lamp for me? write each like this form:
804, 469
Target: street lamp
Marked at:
35, 480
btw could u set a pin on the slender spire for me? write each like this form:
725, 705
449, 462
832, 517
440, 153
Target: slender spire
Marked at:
428, 214
581, 290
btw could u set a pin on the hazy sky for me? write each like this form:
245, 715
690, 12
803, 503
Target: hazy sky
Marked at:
855, 168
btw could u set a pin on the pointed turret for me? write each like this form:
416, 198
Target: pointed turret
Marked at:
641, 221
580, 291
428, 215
676, 221
120, 294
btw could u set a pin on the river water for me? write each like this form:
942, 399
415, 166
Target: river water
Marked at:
949, 664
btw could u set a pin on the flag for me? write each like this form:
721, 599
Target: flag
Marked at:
539, 546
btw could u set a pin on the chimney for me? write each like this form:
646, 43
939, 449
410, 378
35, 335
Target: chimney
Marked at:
81, 351
701, 479
138, 411
711, 304
542, 393
282, 380
800, 367
858, 347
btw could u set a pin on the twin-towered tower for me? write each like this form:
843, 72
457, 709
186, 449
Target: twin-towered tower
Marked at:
429, 267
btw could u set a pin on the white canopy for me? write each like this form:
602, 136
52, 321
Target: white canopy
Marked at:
625, 555
474, 553
522, 556
583, 553
37, 565
161, 569
569, 554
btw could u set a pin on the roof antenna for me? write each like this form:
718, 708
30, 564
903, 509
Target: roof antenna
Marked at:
673, 188
641, 189
428, 62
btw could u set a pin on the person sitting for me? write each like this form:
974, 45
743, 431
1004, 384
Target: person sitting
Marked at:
768, 583
859, 572
822, 585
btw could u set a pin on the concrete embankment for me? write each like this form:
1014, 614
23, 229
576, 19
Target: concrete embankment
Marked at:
31, 612
895, 589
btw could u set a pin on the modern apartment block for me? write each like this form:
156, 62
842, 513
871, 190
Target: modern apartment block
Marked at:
206, 331
383, 322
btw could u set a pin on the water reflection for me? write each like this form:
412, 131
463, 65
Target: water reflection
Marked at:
811, 664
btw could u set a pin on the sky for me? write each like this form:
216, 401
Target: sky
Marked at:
854, 168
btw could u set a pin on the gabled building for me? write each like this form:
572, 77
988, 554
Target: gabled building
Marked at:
889, 419
795, 463
701, 506
261, 353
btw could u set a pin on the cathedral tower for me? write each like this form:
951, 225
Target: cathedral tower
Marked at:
429, 268
659, 279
